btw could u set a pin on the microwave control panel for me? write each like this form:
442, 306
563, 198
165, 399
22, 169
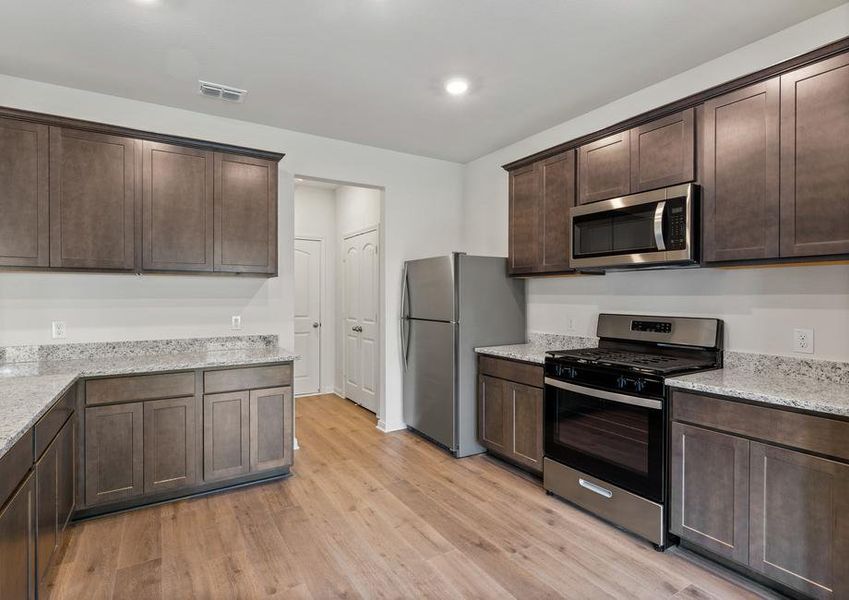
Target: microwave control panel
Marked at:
676, 219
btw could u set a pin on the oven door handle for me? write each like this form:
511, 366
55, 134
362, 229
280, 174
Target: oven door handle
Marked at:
605, 395
659, 210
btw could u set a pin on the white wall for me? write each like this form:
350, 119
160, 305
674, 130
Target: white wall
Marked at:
761, 306
422, 214
315, 217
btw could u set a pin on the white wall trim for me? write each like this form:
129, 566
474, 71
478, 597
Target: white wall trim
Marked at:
389, 428
357, 232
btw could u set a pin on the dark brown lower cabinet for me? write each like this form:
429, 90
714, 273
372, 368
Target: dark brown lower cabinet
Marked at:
780, 512
113, 452
710, 490
271, 428
17, 543
169, 444
226, 435
510, 413
55, 490
799, 532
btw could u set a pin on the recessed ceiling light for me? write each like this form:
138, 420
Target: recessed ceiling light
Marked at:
299, 180
457, 86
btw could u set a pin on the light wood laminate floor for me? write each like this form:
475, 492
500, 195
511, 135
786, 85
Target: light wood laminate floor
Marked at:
372, 515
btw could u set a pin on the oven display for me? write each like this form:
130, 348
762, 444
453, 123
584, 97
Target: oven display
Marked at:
652, 326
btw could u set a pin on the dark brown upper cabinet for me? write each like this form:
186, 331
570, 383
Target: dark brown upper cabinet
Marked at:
24, 233
541, 195
177, 208
740, 181
663, 152
245, 214
658, 154
604, 168
815, 159
93, 192
524, 217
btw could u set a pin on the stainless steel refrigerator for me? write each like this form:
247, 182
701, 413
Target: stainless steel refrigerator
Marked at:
451, 305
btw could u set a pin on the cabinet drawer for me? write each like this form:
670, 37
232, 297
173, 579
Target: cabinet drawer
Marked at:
247, 378
511, 370
806, 432
139, 387
50, 424
14, 466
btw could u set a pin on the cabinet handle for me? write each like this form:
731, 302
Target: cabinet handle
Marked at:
595, 488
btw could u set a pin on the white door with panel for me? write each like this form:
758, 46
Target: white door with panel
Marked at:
308, 277
360, 322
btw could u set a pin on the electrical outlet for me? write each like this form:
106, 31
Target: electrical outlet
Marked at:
236, 322
58, 330
803, 341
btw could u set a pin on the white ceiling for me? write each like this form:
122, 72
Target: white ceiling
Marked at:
371, 71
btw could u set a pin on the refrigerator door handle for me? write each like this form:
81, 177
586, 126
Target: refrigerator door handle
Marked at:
403, 322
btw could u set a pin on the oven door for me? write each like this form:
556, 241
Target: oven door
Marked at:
616, 437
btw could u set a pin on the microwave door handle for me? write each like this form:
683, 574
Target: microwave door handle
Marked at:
659, 211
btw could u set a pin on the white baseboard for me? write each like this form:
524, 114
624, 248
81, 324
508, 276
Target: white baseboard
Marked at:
387, 428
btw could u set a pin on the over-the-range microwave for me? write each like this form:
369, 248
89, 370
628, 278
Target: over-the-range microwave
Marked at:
650, 229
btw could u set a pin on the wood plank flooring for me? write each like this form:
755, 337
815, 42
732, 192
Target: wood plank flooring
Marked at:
372, 515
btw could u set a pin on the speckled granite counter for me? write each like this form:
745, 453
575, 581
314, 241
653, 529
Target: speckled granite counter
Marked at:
537, 345
28, 389
810, 385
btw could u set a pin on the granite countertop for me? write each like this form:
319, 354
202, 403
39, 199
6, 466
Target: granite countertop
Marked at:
771, 387
28, 389
538, 344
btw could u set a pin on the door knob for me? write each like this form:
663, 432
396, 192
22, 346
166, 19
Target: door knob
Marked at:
316, 324
356, 328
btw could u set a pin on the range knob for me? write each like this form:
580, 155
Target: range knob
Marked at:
621, 382
640, 385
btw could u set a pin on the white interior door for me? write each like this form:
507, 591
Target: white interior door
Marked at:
308, 278
361, 334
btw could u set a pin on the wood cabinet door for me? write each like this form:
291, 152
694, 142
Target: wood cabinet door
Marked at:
524, 419
66, 488
524, 249
24, 200
492, 408
169, 444
245, 214
17, 550
93, 194
271, 428
113, 453
226, 435
710, 490
800, 521
740, 191
558, 196
604, 168
663, 152
814, 159
177, 208
47, 507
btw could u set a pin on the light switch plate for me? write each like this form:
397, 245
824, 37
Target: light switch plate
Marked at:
236, 322
803, 341
58, 330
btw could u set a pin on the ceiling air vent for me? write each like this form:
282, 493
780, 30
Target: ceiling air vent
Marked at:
222, 92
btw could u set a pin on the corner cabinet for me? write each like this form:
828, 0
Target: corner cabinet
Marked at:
541, 195
91, 197
510, 411
750, 484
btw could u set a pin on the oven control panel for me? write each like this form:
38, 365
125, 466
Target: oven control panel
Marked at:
652, 326
676, 224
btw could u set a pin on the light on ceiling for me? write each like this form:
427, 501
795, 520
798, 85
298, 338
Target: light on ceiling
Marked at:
457, 86
299, 180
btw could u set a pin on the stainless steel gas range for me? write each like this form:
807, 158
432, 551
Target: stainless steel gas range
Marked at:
606, 415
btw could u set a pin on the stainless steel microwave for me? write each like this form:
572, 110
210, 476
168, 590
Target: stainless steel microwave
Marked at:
648, 229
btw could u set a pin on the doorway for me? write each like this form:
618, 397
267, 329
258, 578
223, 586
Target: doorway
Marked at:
338, 290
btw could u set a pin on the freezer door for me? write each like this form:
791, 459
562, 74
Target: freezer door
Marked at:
429, 379
429, 287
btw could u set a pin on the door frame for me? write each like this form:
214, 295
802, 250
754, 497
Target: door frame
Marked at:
322, 295
346, 236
